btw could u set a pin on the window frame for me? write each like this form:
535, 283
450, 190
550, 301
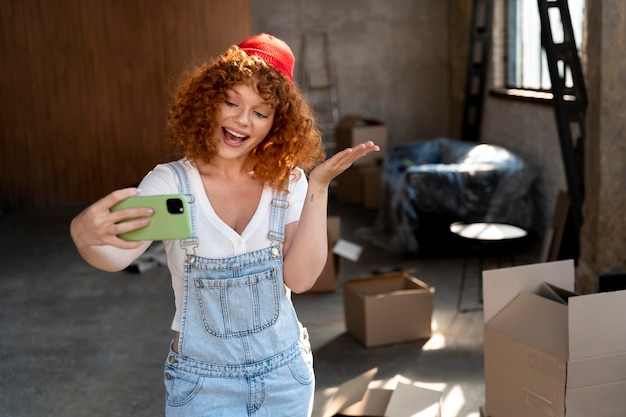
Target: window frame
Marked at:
507, 44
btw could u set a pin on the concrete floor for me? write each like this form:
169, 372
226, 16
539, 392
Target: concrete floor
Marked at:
80, 342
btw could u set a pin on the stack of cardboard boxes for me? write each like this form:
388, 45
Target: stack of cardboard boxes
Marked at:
549, 351
360, 184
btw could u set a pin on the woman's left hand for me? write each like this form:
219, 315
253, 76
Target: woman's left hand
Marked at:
329, 169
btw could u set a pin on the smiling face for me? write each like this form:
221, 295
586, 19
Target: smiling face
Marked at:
244, 120
240, 108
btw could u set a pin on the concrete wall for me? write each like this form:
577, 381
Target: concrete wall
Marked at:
404, 62
603, 246
392, 60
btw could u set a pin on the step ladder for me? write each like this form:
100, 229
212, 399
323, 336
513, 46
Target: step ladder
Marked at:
318, 84
477, 64
570, 103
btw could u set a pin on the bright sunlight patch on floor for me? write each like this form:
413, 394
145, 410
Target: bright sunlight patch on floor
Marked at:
453, 402
451, 405
437, 341
392, 383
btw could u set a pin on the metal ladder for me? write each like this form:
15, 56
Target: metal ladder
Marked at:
570, 103
319, 84
477, 63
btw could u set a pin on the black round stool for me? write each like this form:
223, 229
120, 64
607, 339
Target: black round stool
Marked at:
487, 237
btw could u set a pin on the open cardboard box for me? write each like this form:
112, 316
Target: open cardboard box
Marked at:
355, 398
548, 351
388, 308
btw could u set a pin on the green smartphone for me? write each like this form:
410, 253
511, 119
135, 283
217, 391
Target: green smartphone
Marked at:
171, 219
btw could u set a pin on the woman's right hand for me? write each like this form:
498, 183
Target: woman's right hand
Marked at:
95, 231
97, 225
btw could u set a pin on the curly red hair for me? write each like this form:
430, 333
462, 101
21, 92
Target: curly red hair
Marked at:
294, 139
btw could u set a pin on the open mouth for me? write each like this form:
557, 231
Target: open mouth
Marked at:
234, 138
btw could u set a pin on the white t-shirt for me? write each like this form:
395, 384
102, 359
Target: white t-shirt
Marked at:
216, 239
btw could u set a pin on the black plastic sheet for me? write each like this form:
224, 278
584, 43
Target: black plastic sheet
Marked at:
440, 181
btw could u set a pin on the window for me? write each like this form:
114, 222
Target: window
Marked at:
526, 66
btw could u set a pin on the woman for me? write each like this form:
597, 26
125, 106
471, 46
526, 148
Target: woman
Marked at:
247, 137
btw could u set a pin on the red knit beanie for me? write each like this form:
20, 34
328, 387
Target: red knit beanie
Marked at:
272, 50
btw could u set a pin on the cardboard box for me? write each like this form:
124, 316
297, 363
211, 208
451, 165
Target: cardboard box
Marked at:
356, 398
548, 351
350, 186
327, 281
352, 130
360, 185
371, 176
388, 308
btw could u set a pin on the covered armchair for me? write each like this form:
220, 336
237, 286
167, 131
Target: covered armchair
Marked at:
426, 185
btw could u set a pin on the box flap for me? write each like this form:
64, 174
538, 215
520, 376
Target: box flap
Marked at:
501, 286
596, 324
535, 321
348, 250
388, 285
555, 293
412, 401
348, 393
374, 403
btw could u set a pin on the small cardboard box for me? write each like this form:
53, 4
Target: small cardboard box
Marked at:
327, 281
350, 186
352, 130
356, 398
549, 351
388, 308
360, 185
371, 176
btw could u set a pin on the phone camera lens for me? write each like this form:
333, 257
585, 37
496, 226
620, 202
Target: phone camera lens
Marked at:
175, 206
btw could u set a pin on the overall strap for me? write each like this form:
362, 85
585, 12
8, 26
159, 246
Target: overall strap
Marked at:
189, 245
278, 216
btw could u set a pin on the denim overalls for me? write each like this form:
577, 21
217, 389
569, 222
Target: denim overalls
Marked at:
242, 350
